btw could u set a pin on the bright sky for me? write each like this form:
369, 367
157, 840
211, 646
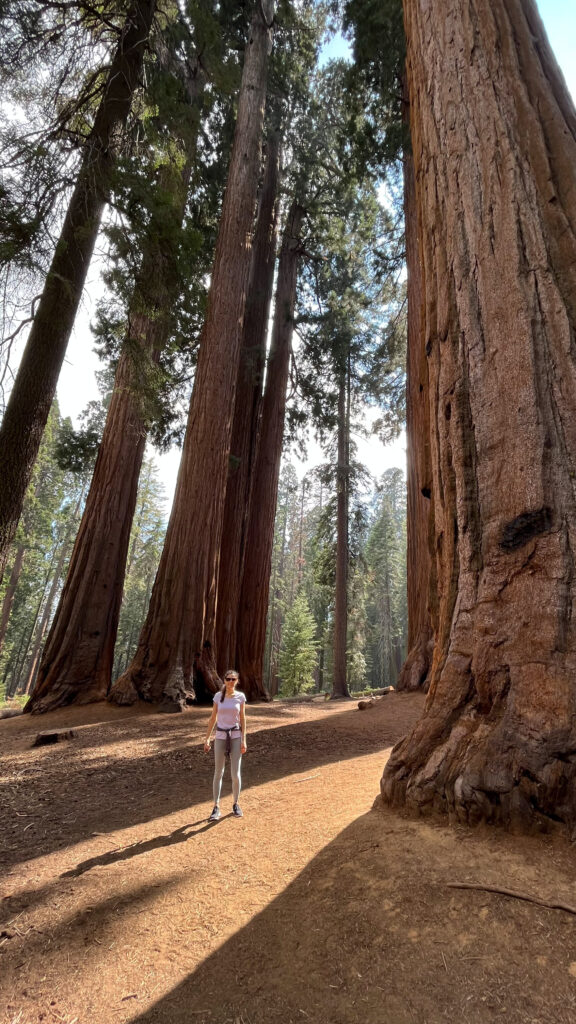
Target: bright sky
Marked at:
77, 385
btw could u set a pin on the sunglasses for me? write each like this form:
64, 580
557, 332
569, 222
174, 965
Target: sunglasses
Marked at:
230, 679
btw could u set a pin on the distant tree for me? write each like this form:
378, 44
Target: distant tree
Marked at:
385, 558
298, 651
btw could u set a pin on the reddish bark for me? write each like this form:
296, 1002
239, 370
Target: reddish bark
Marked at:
185, 586
414, 673
35, 384
247, 409
253, 604
494, 142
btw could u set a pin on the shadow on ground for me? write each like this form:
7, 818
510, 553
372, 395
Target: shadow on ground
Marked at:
370, 932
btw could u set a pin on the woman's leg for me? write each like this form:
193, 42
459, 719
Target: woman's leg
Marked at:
219, 761
235, 762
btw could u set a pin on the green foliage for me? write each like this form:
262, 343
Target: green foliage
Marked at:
75, 450
298, 651
375, 81
386, 601
40, 551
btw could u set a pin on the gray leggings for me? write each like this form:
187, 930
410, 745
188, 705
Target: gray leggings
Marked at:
219, 762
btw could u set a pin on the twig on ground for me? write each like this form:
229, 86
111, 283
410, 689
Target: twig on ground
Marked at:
515, 894
308, 777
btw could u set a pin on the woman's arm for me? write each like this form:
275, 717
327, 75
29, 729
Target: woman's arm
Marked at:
243, 727
211, 725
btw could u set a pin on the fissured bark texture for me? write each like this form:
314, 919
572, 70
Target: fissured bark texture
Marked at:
493, 133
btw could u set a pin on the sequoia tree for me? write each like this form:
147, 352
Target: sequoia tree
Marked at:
76, 664
494, 141
175, 631
253, 602
247, 407
35, 384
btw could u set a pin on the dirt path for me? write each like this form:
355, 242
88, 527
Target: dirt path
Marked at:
121, 904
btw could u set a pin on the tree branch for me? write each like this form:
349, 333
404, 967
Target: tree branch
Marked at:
514, 894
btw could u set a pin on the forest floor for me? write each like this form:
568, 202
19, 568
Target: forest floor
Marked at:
120, 903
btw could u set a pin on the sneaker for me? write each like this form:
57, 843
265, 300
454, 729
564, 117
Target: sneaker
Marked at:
237, 811
215, 816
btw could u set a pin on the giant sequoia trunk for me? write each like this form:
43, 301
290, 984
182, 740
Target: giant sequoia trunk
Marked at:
35, 384
247, 409
185, 586
253, 604
414, 673
77, 661
494, 141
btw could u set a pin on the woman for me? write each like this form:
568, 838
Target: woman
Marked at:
228, 715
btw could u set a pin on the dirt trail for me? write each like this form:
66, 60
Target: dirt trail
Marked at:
121, 904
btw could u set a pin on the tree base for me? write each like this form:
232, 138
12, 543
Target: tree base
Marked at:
414, 674
123, 692
207, 682
62, 697
496, 766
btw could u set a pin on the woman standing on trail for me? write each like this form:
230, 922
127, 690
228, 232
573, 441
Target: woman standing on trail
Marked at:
228, 715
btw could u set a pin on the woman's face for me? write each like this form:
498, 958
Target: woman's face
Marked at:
230, 679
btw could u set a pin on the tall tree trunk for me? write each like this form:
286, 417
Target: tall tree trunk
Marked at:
494, 141
185, 586
77, 662
414, 673
253, 604
8, 601
35, 384
339, 681
247, 408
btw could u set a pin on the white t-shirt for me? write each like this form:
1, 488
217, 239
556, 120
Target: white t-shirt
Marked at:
228, 709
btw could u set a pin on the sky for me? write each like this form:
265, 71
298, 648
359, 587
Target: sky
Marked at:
77, 384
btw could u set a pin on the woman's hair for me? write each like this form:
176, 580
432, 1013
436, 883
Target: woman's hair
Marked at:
228, 672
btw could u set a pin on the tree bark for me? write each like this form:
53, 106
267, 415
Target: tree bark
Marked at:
175, 629
247, 409
494, 142
339, 679
78, 658
253, 603
35, 384
414, 672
